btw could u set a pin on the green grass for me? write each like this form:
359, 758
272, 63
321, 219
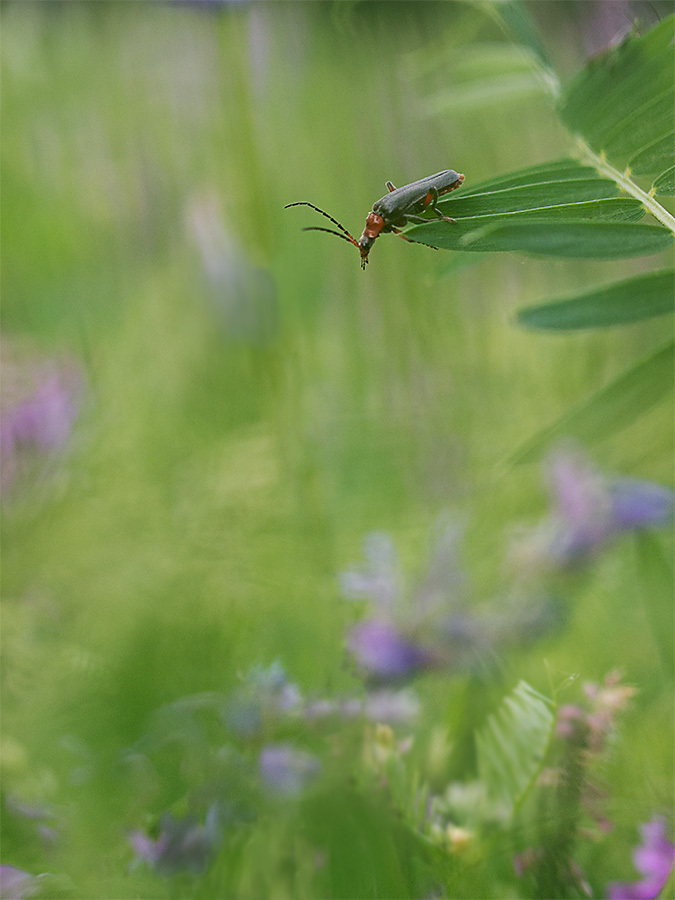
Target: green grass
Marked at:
217, 483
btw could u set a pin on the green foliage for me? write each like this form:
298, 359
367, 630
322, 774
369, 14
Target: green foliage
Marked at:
622, 101
216, 482
618, 404
539, 234
664, 185
621, 303
484, 76
516, 20
621, 105
511, 746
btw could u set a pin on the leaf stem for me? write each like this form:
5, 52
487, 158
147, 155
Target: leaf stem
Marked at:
624, 181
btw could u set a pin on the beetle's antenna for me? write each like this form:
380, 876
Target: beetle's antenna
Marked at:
346, 235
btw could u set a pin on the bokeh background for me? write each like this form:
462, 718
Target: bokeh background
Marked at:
232, 404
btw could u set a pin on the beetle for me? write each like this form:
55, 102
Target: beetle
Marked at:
396, 209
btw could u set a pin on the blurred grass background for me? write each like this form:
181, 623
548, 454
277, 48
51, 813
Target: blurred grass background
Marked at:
254, 403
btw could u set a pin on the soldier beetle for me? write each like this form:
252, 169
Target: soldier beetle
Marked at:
395, 210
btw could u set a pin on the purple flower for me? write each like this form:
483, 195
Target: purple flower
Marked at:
15, 884
654, 860
402, 631
286, 770
639, 504
590, 508
383, 652
183, 845
44, 419
39, 417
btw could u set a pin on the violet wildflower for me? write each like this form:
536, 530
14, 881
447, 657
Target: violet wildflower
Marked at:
654, 860
40, 402
639, 504
15, 884
590, 509
431, 625
44, 418
383, 652
286, 770
399, 635
183, 845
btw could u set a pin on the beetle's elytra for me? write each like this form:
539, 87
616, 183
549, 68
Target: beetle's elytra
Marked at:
396, 209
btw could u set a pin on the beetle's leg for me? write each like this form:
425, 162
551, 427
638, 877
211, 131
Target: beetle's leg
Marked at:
420, 220
432, 202
394, 226
390, 187
397, 231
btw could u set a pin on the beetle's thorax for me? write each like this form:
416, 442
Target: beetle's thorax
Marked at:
374, 225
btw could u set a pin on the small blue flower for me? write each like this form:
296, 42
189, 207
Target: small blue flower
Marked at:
640, 504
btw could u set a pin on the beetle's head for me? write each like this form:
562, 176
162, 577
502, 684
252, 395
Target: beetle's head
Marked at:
365, 243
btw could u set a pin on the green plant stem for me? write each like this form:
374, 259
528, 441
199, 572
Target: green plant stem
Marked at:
624, 181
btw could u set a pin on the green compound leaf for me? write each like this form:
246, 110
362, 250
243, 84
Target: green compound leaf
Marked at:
545, 236
558, 209
484, 75
546, 195
615, 406
517, 21
646, 125
511, 747
621, 102
655, 157
560, 171
621, 303
665, 184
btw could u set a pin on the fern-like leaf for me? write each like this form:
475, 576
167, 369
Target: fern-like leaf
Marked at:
512, 746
